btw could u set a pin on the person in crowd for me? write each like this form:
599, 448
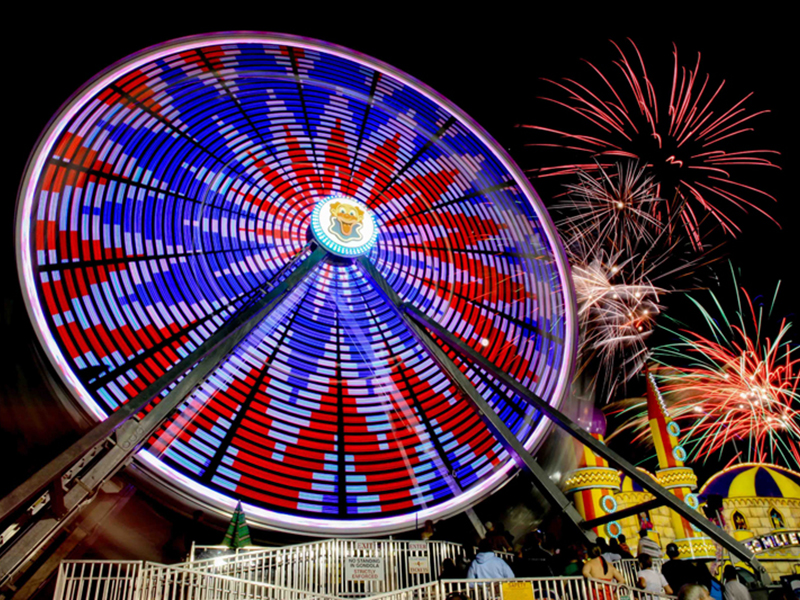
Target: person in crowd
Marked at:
605, 551
487, 565
677, 572
734, 589
496, 538
573, 563
450, 570
779, 594
533, 545
623, 543
501, 529
614, 546
535, 561
648, 546
702, 576
598, 567
649, 579
428, 531
465, 559
693, 591
715, 589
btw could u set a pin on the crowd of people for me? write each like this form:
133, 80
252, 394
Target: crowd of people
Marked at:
539, 556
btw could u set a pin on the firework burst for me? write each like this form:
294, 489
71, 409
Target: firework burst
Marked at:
739, 392
623, 261
613, 209
617, 306
685, 140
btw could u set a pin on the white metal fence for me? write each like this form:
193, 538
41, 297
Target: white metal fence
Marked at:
402, 570
288, 565
321, 566
538, 588
119, 580
98, 580
200, 552
629, 567
163, 582
203, 552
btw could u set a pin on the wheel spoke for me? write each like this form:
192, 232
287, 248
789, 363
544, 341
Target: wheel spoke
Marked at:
170, 191
207, 356
498, 427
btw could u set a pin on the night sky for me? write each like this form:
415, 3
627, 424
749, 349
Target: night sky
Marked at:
490, 63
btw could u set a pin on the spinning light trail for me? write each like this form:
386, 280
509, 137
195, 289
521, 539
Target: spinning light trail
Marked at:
179, 185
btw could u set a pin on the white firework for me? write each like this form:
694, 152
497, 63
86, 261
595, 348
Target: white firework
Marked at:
616, 211
617, 308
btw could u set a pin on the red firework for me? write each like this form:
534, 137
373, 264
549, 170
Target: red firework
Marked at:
683, 140
739, 390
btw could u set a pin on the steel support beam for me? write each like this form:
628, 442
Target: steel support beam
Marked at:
552, 493
59, 465
717, 534
106, 448
631, 511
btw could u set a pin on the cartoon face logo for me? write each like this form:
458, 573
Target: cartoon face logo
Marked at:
343, 226
346, 221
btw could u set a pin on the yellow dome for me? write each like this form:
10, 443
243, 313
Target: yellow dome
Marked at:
753, 480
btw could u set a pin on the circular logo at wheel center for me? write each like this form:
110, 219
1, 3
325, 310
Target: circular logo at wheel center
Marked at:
343, 226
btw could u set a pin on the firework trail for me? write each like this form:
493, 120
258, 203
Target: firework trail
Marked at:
623, 260
613, 209
685, 140
617, 307
739, 391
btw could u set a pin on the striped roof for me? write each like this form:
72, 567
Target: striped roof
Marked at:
751, 480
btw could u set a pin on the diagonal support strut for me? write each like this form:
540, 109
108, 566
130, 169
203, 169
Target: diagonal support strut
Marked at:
717, 534
109, 445
631, 511
555, 497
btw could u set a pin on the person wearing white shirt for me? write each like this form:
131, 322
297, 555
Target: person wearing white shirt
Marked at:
649, 579
734, 589
606, 552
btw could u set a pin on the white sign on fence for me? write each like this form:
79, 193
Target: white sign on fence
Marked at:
419, 565
357, 568
418, 546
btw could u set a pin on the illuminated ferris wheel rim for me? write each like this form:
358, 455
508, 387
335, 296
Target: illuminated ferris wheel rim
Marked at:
26, 200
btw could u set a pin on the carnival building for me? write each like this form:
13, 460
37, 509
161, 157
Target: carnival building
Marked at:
761, 508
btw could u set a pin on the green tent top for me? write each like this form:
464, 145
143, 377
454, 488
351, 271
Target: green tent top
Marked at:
238, 534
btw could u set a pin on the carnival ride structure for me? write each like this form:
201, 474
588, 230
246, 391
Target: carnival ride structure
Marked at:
277, 271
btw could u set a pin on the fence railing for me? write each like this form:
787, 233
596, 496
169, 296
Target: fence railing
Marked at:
539, 588
123, 580
319, 569
323, 566
204, 552
199, 552
164, 582
90, 579
629, 567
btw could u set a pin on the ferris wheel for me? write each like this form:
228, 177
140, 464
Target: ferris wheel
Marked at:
369, 264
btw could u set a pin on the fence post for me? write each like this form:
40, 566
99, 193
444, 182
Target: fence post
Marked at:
60, 580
